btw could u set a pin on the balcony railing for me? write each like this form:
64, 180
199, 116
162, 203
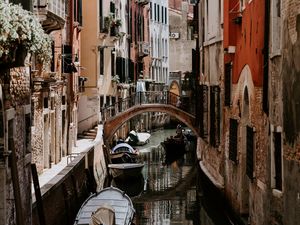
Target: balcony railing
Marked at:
51, 13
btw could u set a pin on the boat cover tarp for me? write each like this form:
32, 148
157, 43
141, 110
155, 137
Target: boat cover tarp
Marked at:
104, 215
123, 145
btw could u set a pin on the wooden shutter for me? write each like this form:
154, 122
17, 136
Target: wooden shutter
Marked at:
278, 160
67, 59
233, 140
227, 84
214, 116
250, 152
203, 115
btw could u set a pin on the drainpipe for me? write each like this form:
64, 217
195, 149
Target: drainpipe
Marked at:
266, 58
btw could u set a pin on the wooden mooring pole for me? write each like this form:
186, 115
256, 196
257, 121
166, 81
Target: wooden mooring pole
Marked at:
38, 196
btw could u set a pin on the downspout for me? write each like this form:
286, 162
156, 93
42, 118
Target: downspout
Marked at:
266, 58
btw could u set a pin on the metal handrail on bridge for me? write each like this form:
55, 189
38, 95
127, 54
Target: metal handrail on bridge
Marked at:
141, 98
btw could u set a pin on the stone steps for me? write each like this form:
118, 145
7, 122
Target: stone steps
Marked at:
88, 134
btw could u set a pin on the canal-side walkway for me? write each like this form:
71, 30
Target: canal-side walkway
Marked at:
82, 147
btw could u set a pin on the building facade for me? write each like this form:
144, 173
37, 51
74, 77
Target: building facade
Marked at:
55, 87
283, 111
159, 41
250, 150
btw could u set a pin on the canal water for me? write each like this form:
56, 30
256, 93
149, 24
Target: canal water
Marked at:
169, 194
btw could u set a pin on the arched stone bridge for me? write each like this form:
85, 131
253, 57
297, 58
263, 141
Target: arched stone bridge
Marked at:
117, 114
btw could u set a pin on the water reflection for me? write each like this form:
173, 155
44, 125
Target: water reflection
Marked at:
133, 186
171, 194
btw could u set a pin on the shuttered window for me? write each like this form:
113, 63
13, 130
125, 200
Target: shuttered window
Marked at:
278, 160
67, 59
112, 55
101, 17
78, 11
101, 66
233, 139
214, 116
227, 84
203, 114
250, 152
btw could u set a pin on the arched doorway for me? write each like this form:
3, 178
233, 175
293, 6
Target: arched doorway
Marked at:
246, 90
244, 189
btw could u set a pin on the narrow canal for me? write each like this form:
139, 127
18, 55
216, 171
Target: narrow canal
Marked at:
167, 194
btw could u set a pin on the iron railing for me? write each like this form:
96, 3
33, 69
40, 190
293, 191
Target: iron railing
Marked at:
142, 98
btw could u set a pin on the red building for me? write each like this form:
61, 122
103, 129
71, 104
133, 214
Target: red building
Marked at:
244, 30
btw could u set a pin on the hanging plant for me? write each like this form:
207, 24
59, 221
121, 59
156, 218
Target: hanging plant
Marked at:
20, 29
111, 21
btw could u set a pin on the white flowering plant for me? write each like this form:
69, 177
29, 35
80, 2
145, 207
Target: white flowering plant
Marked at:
20, 27
116, 79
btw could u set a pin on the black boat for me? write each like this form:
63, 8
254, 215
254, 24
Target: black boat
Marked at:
175, 146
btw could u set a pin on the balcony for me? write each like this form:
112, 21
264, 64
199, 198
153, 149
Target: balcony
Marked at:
51, 13
142, 2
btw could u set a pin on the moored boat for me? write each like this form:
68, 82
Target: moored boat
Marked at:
137, 138
123, 153
174, 146
125, 170
110, 206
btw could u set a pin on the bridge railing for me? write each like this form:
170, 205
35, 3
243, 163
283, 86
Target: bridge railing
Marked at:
141, 98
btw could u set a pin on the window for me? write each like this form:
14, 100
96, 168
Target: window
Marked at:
46, 104
227, 84
275, 27
101, 18
203, 114
63, 100
151, 10
78, 11
158, 13
166, 17
250, 152
215, 116
162, 14
155, 11
233, 139
277, 161
101, 66
27, 132
25, 4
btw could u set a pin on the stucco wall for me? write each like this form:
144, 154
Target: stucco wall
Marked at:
290, 75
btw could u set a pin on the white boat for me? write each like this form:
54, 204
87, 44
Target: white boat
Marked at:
110, 206
137, 138
125, 170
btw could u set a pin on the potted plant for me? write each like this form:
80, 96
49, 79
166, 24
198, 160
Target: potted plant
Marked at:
21, 33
